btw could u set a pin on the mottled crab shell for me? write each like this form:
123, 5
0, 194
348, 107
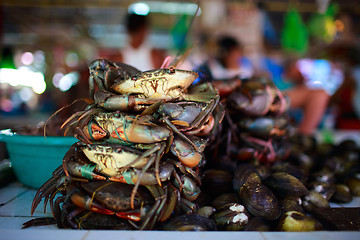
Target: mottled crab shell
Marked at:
161, 84
110, 159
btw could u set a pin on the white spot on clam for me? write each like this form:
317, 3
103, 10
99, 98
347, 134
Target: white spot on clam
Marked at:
237, 208
241, 218
319, 188
324, 178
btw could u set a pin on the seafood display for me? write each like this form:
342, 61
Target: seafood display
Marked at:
140, 151
283, 196
158, 152
278, 176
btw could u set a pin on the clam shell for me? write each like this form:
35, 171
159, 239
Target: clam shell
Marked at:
258, 224
245, 173
342, 194
290, 169
294, 221
231, 217
190, 222
291, 203
314, 200
354, 185
284, 184
325, 189
260, 200
224, 199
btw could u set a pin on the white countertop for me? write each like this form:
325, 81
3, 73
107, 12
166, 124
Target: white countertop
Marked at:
15, 204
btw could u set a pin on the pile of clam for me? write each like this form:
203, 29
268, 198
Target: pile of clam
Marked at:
140, 152
290, 195
260, 176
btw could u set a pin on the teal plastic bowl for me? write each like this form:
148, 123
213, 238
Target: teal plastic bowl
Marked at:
34, 158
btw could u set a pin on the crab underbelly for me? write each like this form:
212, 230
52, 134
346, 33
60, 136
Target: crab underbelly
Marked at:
110, 164
154, 89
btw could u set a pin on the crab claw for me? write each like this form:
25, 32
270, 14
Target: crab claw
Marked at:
94, 132
84, 201
133, 215
186, 153
141, 133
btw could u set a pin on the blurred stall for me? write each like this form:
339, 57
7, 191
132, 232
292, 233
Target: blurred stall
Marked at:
46, 46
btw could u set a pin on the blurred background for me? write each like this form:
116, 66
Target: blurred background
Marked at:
46, 46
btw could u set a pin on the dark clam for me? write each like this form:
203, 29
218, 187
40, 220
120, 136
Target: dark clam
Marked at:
231, 217
347, 145
302, 160
284, 184
291, 203
335, 164
290, 169
245, 173
190, 222
263, 171
325, 189
342, 194
223, 199
354, 185
259, 200
314, 200
324, 176
303, 143
258, 224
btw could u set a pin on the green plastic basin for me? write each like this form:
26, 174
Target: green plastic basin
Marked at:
34, 158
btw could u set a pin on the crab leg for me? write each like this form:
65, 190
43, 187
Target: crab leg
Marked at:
137, 184
160, 198
174, 128
169, 206
157, 163
48, 188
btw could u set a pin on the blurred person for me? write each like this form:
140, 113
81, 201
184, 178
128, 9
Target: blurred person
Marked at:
315, 81
138, 52
226, 69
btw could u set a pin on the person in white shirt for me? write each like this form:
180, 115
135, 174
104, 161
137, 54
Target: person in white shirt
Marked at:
316, 80
138, 51
226, 69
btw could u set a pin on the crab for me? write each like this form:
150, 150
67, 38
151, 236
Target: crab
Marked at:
123, 87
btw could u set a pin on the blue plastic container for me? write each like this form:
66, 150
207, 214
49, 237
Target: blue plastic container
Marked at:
34, 158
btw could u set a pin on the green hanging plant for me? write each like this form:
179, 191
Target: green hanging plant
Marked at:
322, 25
179, 33
294, 36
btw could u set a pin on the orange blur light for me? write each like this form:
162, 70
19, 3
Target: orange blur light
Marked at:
339, 25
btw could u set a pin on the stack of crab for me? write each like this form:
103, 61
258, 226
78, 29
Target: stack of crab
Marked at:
140, 152
252, 193
256, 125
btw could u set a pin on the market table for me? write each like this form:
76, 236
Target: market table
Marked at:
15, 204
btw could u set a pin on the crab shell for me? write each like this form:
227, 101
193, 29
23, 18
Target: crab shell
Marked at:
161, 84
111, 159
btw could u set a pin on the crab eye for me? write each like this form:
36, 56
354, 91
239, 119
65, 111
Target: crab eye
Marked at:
171, 70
